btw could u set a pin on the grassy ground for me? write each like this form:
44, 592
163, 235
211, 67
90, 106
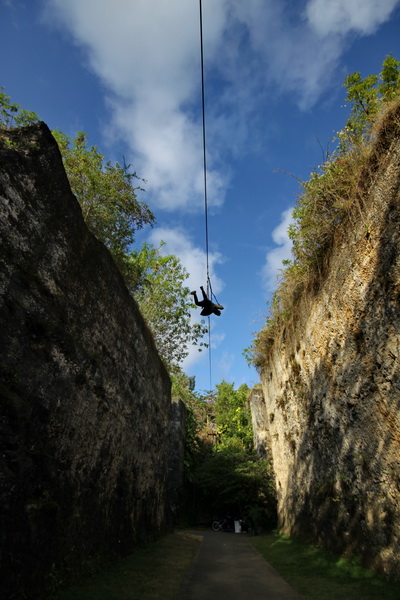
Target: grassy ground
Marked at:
158, 571
152, 573
319, 575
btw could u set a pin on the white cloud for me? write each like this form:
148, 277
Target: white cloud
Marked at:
343, 16
195, 357
193, 258
296, 51
168, 149
147, 55
225, 365
282, 251
217, 337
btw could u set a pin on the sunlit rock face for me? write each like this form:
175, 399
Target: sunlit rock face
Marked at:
85, 398
332, 385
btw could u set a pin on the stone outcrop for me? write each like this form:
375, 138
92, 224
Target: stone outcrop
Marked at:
332, 384
85, 398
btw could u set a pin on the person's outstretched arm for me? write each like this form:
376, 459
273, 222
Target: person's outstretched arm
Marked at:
196, 300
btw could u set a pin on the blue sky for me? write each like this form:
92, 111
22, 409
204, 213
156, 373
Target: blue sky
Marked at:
127, 73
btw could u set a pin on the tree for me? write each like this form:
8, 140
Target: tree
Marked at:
327, 199
12, 115
390, 78
363, 95
106, 193
367, 97
198, 414
112, 211
230, 477
232, 416
238, 482
157, 282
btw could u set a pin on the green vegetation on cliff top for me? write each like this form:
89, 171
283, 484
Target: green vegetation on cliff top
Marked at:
330, 197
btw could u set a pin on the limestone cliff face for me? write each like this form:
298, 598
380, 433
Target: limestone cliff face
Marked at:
85, 399
332, 386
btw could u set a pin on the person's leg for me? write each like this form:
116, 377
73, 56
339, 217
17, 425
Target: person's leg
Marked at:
204, 294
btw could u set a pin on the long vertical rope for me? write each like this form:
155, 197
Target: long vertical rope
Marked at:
205, 177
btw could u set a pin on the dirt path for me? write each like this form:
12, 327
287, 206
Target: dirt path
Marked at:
227, 567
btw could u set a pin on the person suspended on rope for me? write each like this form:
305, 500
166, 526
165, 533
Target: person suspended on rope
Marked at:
208, 306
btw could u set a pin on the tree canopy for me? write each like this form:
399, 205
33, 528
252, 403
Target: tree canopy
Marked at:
107, 194
232, 416
366, 97
12, 115
227, 476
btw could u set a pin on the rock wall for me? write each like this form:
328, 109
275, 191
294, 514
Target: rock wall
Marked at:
332, 384
176, 458
259, 419
85, 398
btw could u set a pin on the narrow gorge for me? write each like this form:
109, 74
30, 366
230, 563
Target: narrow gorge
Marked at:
92, 444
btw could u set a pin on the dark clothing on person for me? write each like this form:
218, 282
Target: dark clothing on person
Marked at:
208, 306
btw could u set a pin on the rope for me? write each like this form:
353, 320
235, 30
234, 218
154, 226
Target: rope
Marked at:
212, 295
209, 288
209, 351
204, 142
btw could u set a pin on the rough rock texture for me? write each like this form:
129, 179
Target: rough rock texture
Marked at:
176, 457
259, 418
85, 398
332, 385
